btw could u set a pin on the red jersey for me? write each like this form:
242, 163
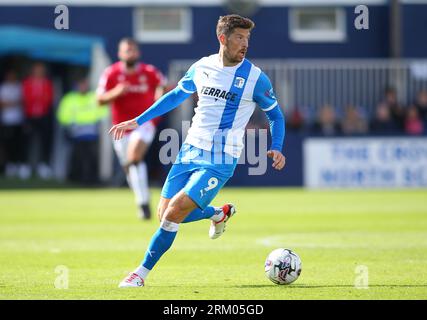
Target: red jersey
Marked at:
37, 94
140, 96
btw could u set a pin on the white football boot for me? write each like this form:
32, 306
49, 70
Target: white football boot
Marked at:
218, 228
132, 281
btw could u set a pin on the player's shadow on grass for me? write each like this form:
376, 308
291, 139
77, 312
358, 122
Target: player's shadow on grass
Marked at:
248, 286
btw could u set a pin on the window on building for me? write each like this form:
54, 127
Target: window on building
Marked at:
162, 24
317, 25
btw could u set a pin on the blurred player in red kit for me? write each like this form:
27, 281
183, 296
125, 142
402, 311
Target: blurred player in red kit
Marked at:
131, 87
38, 95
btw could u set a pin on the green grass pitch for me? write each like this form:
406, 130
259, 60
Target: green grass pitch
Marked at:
94, 238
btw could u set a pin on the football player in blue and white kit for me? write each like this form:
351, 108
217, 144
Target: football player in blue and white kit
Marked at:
228, 87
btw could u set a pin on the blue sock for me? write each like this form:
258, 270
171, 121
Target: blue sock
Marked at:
199, 214
160, 243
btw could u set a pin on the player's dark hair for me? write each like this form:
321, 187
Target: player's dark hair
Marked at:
227, 24
128, 41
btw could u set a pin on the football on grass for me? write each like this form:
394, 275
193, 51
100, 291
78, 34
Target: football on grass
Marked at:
282, 266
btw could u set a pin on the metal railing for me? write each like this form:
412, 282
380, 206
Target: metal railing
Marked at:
310, 84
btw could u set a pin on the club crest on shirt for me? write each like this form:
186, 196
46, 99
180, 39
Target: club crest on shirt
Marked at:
239, 82
142, 78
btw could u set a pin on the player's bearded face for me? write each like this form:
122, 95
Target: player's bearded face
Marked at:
236, 45
129, 54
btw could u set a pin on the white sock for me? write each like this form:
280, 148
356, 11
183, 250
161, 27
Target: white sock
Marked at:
219, 214
138, 181
142, 272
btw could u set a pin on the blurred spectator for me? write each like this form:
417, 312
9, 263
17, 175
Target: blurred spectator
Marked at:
296, 120
353, 122
12, 119
396, 110
258, 120
413, 123
79, 113
421, 104
326, 123
38, 98
383, 124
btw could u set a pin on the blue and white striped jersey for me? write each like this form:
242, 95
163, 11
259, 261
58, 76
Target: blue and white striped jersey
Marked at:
227, 99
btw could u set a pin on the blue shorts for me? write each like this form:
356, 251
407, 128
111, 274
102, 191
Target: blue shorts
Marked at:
200, 173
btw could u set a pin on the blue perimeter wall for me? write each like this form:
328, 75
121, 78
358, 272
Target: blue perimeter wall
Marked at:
292, 175
270, 39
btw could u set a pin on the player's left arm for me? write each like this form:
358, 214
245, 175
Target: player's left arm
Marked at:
264, 96
160, 90
160, 83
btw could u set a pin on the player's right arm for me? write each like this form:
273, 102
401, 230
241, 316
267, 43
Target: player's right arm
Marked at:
111, 95
107, 91
166, 103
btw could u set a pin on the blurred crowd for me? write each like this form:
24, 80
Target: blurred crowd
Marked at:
389, 118
27, 120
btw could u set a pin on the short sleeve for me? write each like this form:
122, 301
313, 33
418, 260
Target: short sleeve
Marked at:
186, 83
105, 82
156, 76
160, 79
264, 94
